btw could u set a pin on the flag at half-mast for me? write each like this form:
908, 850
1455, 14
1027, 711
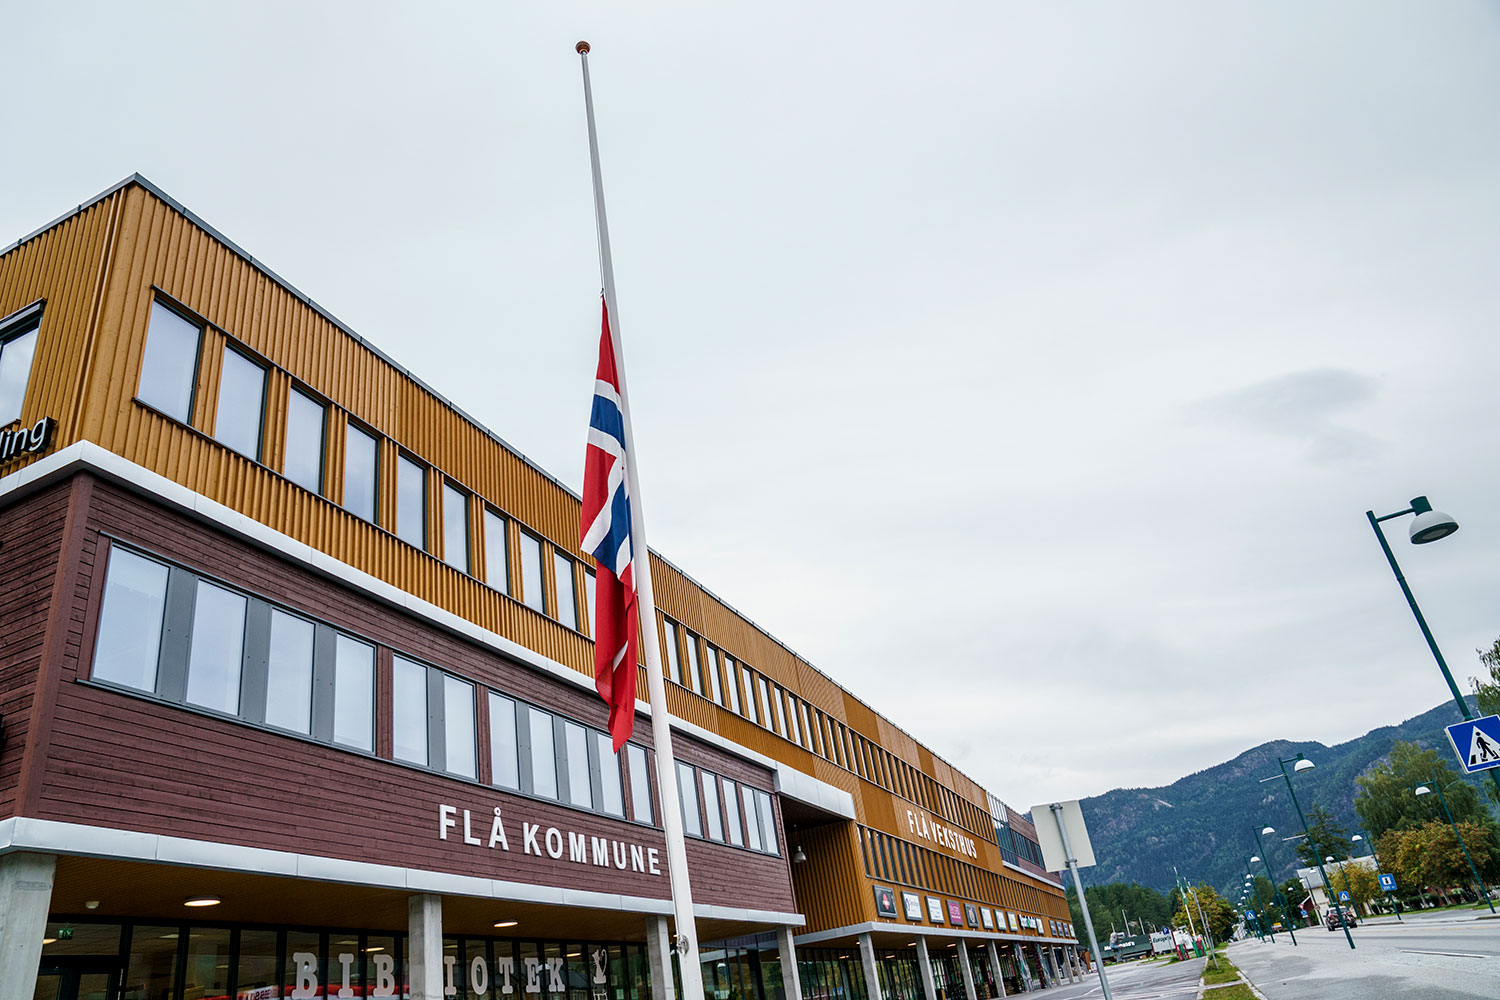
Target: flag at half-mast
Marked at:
606, 536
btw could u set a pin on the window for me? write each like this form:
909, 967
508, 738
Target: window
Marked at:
531, 572
772, 697
567, 600
695, 676
17, 349
217, 650
411, 502
361, 473
409, 712
687, 795
611, 793
674, 668
752, 824
750, 710
640, 784
169, 366
459, 745
769, 839
575, 742
713, 676
505, 762
304, 440
242, 399
354, 693
732, 813
732, 684
543, 755
455, 528
496, 552
791, 717
130, 624
289, 673
711, 806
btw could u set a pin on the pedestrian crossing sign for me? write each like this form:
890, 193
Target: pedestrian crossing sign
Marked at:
1477, 743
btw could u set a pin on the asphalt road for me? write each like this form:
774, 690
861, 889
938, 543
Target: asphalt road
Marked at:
1133, 981
1431, 958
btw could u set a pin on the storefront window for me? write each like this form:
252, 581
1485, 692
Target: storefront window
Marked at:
257, 962
152, 971
478, 970
578, 975
342, 962
453, 977
207, 967
304, 966
380, 966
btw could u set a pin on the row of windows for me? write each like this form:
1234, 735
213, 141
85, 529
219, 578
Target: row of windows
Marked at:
694, 663
17, 349
716, 813
187, 639
169, 377
891, 859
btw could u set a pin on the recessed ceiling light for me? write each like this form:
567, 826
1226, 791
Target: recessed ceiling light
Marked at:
376, 948
506, 923
202, 901
49, 940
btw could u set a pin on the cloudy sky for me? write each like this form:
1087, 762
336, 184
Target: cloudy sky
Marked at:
1028, 367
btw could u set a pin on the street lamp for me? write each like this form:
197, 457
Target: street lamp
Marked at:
1301, 763
1260, 905
1427, 526
1375, 858
1286, 908
1424, 790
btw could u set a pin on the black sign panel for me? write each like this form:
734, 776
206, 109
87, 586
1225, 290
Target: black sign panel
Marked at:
885, 901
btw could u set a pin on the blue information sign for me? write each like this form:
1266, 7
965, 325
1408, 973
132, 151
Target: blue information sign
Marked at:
1388, 883
1343, 896
1477, 743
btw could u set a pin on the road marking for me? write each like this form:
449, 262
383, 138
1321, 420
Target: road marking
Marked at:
1445, 954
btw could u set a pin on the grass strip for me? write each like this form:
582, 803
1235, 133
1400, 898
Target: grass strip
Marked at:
1225, 973
1239, 991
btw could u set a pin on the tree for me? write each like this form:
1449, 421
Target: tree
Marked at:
1214, 907
1294, 892
1385, 800
1487, 693
1362, 884
1123, 904
1326, 836
1430, 856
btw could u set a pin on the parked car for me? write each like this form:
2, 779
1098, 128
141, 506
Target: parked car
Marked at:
1333, 919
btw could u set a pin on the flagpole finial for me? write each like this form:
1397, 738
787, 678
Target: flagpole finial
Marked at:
582, 48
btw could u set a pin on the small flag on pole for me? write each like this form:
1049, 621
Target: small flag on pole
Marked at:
606, 536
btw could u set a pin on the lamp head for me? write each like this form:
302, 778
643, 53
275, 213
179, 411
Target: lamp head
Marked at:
1328, 860
1429, 525
1267, 831
1423, 790
1356, 838
1303, 765
1253, 860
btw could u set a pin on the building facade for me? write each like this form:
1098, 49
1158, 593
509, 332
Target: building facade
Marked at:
296, 695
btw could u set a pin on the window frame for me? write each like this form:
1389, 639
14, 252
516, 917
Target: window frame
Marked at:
21, 323
560, 560
298, 389
406, 458
351, 427
541, 572
492, 517
201, 325
451, 488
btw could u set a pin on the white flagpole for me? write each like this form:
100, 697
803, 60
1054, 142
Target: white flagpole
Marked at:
661, 720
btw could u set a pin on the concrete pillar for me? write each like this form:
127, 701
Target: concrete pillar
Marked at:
25, 897
424, 918
1044, 973
966, 970
788, 949
659, 955
1077, 965
872, 973
924, 968
996, 969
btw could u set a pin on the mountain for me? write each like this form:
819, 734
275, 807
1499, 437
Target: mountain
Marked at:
1205, 823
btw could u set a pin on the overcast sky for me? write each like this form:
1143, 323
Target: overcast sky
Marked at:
1027, 367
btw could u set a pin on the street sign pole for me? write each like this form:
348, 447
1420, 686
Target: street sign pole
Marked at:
1083, 901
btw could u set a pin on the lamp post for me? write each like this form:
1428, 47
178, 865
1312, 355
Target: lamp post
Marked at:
1425, 790
1427, 526
1344, 870
1249, 891
1301, 763
1285, 906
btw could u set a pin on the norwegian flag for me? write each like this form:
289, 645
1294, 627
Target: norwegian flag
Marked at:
606, 536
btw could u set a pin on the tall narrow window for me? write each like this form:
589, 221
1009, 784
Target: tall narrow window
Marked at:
543, 754
712, 667
354, 693
460, 749
674, 667
695, 676
455, 528
361, 472
751, 712
770, 841
496, 552
575, 741
411, 502
752, 824
129, 641
17, 349
765, 700
732, 813
169, 366
242, 394
505, 768
640, 784
611, 794
791, 717
567, 600
531, 573
409, 711
687, 794
305, 417
711, 806
732, 684
217, 649
289, 673
590, 583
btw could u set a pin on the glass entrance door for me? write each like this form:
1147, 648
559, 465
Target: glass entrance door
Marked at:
78, 978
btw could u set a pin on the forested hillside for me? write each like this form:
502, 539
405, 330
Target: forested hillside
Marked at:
1205, 823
